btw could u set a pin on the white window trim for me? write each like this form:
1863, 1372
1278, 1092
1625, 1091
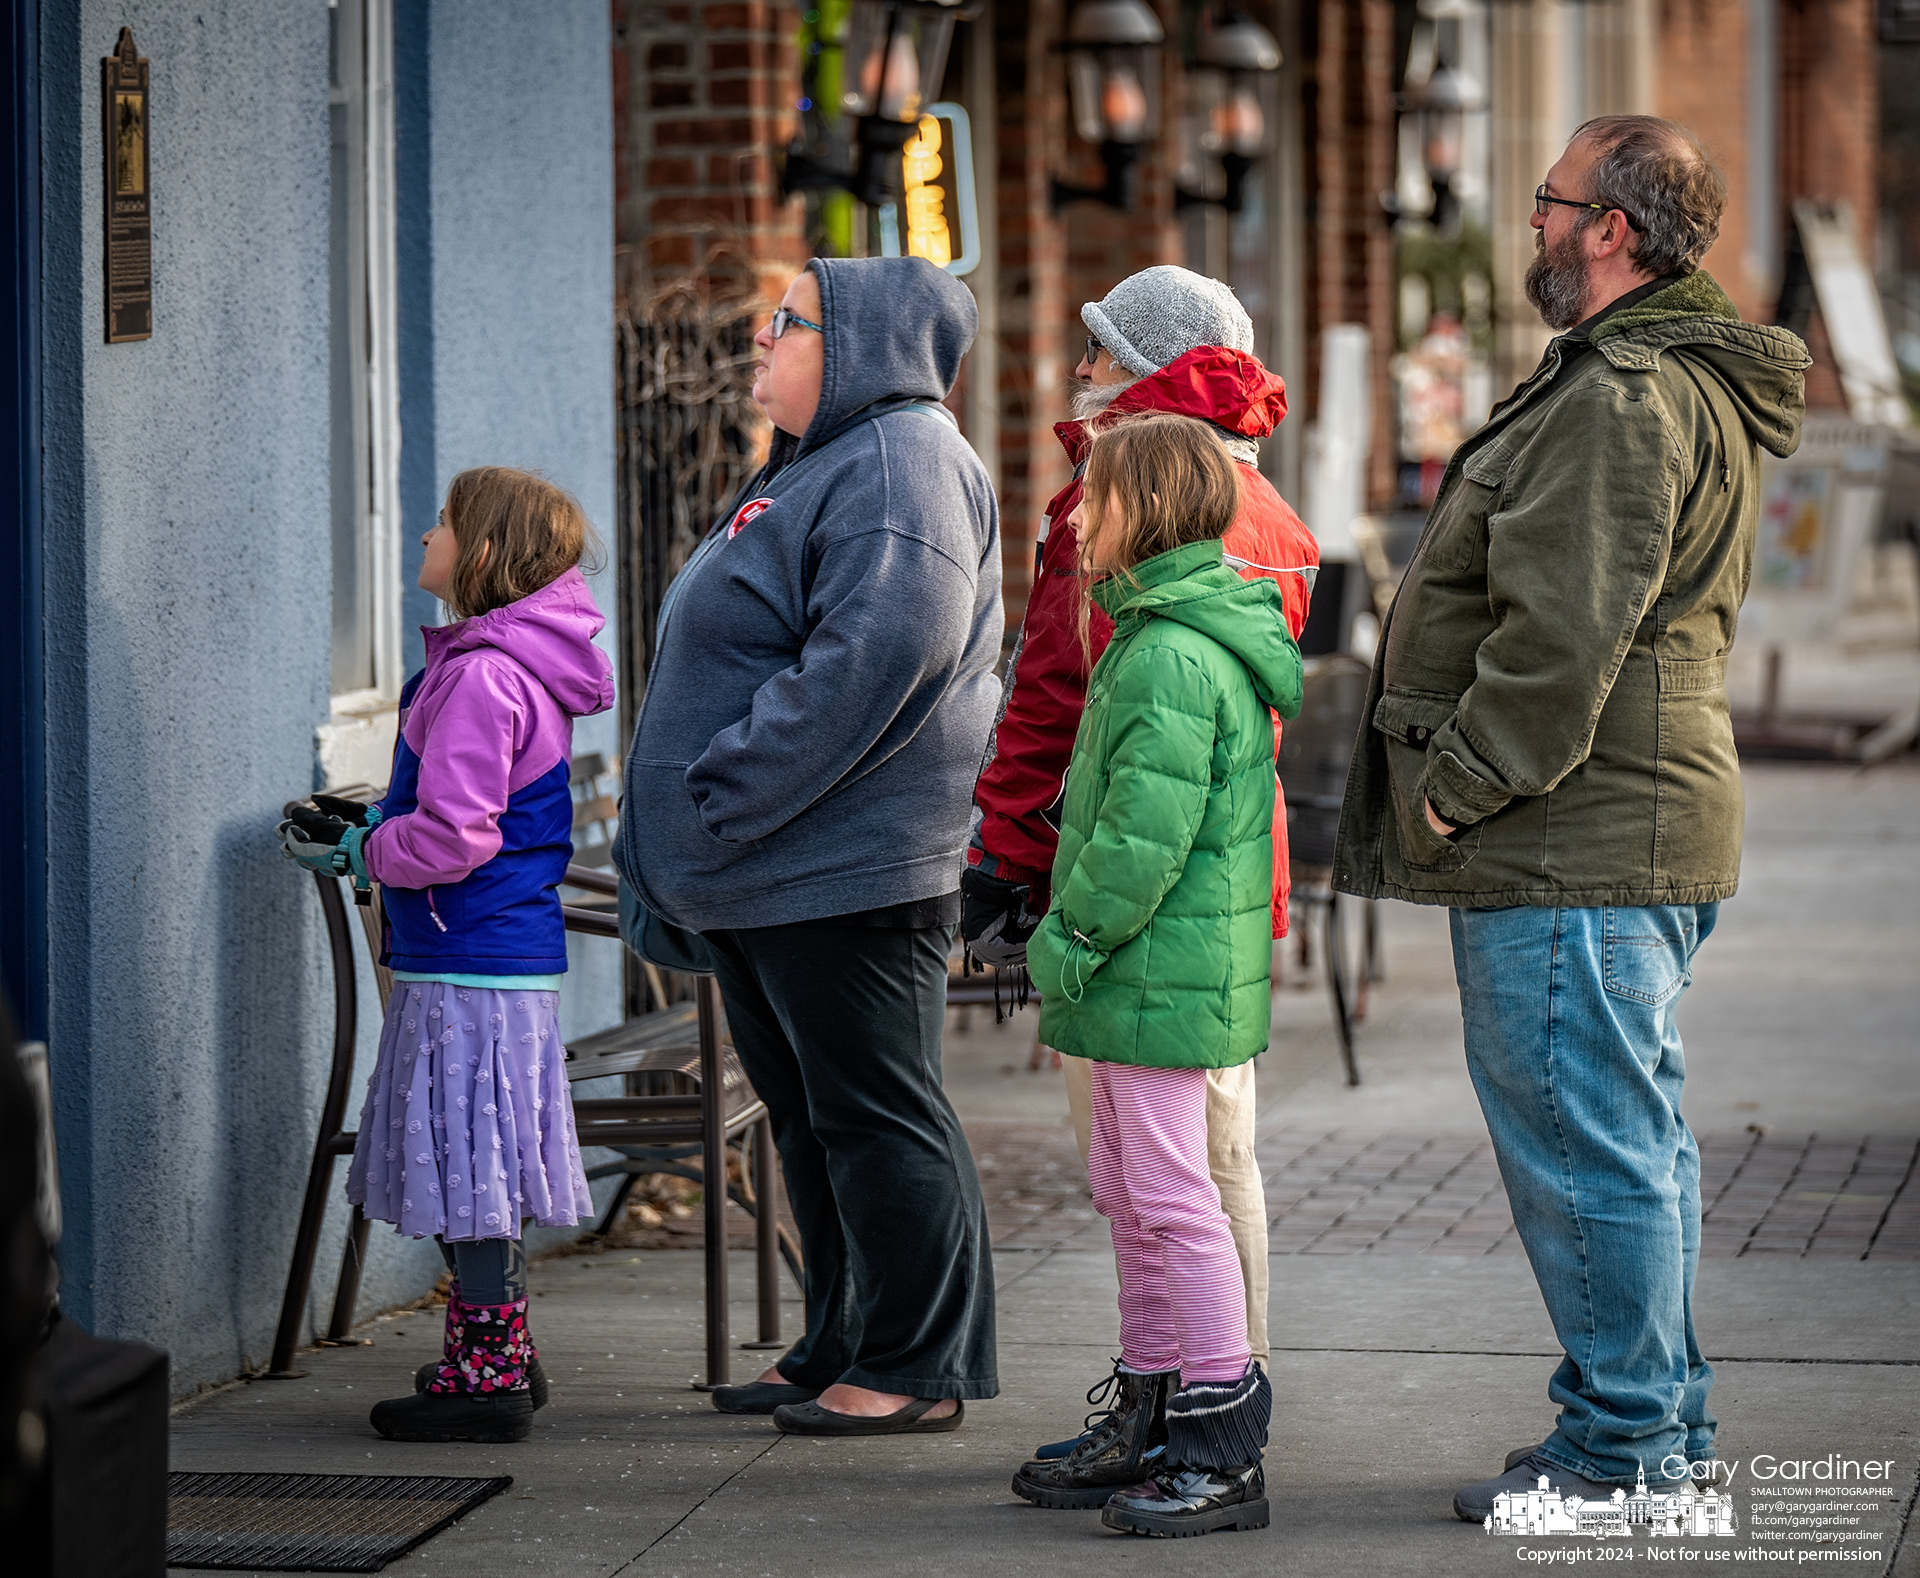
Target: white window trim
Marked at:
383, 348
355, 745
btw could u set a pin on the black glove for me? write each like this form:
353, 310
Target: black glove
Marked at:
324, 827
322, 840
995, 920
353, 812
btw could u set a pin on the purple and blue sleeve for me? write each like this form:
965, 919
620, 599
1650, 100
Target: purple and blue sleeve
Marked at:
469, 745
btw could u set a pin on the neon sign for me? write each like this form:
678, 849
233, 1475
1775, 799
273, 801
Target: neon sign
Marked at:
928, 234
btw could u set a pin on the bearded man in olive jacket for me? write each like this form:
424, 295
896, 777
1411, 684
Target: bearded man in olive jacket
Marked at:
1547, 751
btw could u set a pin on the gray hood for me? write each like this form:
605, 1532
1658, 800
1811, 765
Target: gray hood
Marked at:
896, 330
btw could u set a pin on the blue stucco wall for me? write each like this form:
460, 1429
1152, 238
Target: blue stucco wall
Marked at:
185, 491
504, 239
185, 497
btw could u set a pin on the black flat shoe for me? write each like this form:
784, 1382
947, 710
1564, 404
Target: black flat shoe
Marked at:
536, 1380
760, 1397
810, 1419
1180, 1502
456, 1416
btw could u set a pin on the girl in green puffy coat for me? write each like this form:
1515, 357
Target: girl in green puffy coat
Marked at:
1153, 960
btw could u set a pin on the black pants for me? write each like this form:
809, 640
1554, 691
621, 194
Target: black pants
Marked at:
838, 1028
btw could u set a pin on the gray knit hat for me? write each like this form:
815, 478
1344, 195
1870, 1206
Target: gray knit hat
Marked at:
1158, 315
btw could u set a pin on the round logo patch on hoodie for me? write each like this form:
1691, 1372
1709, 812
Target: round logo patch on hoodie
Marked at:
745, 513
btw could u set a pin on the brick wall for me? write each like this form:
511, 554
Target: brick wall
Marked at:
1035, 364
1830, 137
1703, 83
1104, 246
703, 94
1350, 123
1830, 105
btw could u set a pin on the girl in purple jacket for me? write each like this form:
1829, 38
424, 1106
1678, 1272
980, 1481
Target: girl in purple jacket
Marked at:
468, 1124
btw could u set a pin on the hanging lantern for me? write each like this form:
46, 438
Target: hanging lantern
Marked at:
1442, 103
896, 54
1440, 106
1232, 53
1113, 85
893, 59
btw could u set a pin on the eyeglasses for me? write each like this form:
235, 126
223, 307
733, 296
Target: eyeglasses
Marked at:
782, 319
1094, 348
1541, 200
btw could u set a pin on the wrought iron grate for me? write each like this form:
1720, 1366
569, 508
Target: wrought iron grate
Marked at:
687, 431
328, 1523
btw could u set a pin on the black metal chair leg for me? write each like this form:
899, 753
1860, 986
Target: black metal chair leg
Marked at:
617, 1204
789, 1246
313, 1209
306, 1243
766, 1233
346, 1294
790, 1253
713, 1188
1336, 978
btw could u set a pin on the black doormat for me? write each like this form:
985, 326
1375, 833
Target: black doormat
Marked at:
312, 1523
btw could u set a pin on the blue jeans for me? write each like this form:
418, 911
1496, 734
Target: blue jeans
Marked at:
1575, 1055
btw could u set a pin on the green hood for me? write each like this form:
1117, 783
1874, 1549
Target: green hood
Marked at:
1193, 587
1761, 368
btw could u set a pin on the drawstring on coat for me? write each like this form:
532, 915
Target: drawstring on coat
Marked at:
1726, 473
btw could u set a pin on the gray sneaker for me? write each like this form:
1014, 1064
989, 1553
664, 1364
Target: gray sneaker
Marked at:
1520, 1454
1475, 1503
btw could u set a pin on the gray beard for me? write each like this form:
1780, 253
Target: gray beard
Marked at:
1088, 400
1556, 282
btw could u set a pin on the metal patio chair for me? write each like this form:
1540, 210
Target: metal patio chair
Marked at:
683, 1045
1315, 750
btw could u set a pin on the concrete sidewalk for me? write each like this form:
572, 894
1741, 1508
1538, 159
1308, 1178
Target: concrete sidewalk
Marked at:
1411, 1349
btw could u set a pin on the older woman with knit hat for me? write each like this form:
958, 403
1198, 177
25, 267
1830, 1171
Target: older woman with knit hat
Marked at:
1165, 339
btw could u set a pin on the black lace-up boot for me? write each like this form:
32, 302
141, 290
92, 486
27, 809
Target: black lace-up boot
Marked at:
1211, 1477
1122, 1444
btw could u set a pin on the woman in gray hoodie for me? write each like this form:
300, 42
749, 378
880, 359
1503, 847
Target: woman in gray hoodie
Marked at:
799, 792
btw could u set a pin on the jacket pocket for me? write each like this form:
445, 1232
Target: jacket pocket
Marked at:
669, 771
1460, 526
1408, 719
669, 856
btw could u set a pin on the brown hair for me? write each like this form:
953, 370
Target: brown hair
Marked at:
1656, 172
516, 532
1169, 482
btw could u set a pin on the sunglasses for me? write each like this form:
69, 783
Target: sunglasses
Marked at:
782, 319
1541, 200
1094, 348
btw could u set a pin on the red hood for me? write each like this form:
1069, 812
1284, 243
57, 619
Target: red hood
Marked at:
1228, 388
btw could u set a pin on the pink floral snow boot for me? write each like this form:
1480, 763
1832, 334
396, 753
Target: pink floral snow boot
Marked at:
480, 1390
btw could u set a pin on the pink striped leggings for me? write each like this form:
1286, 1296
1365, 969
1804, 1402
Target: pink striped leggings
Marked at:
1183, 1305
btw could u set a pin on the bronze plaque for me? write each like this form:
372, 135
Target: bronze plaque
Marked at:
129, 202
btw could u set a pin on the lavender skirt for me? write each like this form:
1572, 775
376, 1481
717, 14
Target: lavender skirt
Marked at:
468, 1123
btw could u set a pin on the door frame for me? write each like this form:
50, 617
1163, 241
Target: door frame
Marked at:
23, 799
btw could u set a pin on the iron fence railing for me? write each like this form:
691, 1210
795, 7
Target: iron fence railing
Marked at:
687, 425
